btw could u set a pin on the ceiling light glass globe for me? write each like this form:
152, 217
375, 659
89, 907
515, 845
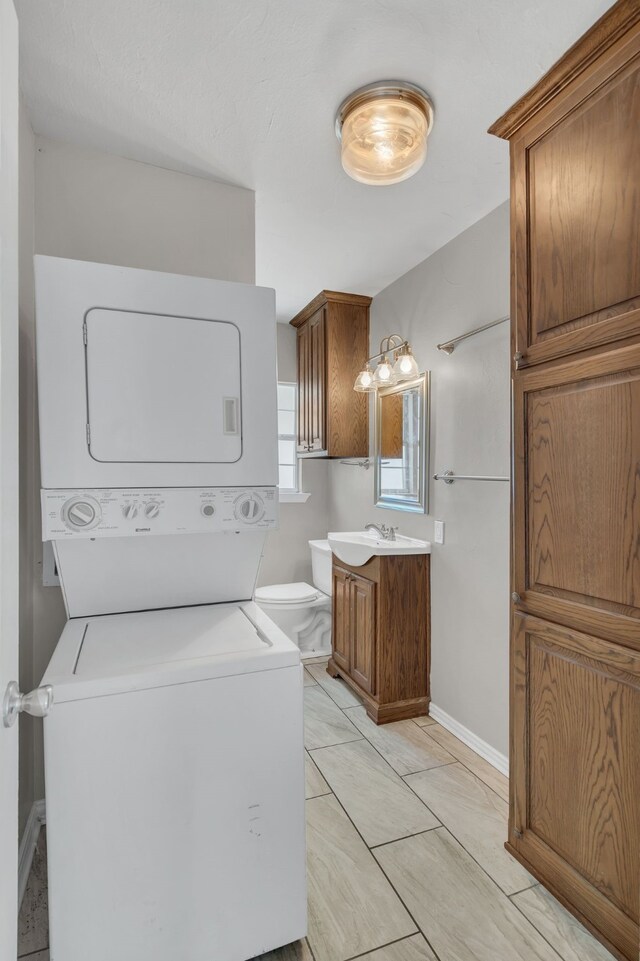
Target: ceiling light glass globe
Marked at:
383, 129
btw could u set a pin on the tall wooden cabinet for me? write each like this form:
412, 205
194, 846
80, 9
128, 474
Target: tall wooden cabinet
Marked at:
333, 344
575, 638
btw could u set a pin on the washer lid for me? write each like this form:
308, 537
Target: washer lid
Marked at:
125, 642
124, 653
298, 593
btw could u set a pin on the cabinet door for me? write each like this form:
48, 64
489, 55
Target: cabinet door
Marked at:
363, 633
577, 493
575, 775
317, 377
341, 604
575, 197
304, 343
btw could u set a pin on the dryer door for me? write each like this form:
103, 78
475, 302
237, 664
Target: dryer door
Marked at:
162, 389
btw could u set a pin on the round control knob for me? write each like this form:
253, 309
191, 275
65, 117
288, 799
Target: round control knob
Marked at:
152, 510
130, 511
249, 508
208, 510
81, 513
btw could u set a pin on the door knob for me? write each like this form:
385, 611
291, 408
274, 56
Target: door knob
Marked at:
515, 597
37, 702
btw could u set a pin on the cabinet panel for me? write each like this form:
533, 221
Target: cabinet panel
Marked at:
578, 506
316, 378
363, 633
341, 604
347, 411
576, 769
576, 194
304, 380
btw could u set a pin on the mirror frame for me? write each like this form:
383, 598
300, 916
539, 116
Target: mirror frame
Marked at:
394, 502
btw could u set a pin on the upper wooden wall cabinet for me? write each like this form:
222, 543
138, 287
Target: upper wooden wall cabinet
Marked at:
333, 344
575, 143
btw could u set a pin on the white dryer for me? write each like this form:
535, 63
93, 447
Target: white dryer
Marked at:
173, 748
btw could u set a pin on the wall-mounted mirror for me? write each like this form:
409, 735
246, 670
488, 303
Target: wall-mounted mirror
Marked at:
402, 445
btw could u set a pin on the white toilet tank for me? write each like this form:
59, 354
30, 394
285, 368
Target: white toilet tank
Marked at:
321, 565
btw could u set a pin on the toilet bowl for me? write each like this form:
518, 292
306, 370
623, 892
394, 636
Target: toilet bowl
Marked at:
301, 610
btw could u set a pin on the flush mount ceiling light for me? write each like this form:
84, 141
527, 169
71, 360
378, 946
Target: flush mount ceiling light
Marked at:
388, 372
383, 130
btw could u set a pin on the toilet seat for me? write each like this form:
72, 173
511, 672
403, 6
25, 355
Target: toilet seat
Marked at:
287, 594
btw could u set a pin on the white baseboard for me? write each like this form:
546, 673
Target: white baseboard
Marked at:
498, 760
36, 819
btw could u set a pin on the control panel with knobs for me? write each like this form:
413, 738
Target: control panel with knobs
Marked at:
249, 508
81, 513
127, 513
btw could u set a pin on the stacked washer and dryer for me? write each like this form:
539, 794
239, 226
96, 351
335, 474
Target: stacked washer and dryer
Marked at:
173, 746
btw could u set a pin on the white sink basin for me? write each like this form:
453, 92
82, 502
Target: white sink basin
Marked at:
357, 547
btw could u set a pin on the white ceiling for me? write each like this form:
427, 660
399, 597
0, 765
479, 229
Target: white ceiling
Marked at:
245, 91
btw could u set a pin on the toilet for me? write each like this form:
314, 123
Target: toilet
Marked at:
303, 612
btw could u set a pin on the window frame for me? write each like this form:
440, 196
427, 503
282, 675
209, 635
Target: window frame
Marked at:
291, 495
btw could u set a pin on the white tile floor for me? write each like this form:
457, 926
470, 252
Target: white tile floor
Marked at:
405, 831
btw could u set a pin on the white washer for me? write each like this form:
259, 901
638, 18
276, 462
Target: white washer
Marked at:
174, 778
174, 759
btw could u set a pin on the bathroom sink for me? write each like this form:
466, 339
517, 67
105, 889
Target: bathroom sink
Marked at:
357, 547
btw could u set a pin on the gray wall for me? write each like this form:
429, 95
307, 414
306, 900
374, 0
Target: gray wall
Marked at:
95, 206
463, 285
87, 205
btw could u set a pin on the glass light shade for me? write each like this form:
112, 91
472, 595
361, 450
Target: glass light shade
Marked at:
384, 129
384, 375
364, 380
406, 366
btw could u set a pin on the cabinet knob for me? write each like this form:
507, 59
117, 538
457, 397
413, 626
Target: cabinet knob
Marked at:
517, 357
515, 597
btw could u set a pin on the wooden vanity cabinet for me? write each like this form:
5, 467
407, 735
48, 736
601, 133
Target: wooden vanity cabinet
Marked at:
381, 634
575, 580
333, 344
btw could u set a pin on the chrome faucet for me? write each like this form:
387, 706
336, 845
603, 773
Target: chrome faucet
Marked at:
386, 533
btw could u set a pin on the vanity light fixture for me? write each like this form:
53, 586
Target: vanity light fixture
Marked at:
383, 130
384, 374
402, 366
364, 380
406, 365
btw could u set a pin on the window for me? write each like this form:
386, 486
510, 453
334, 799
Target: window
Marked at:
288, 463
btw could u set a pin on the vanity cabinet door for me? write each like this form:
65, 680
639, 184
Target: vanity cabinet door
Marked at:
363, 633
341, 604
575, 771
